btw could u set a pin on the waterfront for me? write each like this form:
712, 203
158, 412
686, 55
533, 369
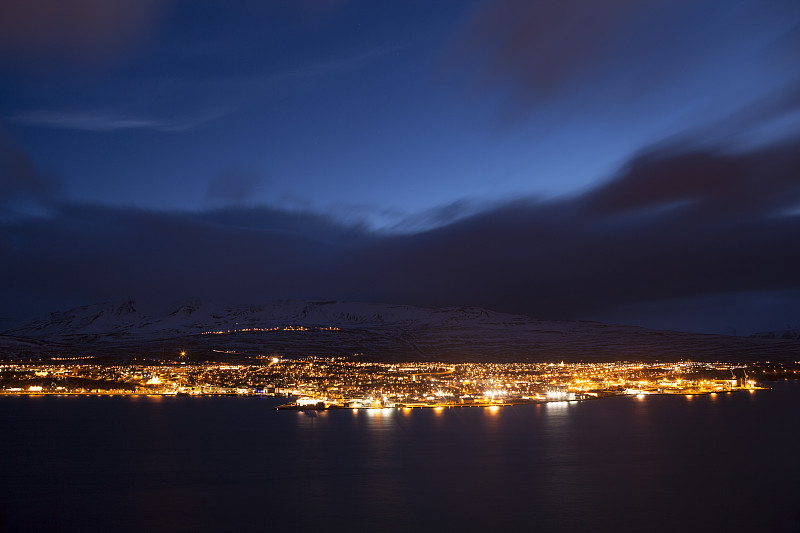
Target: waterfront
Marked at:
657, 463
337, 382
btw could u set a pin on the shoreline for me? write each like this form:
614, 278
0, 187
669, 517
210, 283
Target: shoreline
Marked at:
293, 406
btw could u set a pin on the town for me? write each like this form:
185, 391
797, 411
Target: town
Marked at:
325, 383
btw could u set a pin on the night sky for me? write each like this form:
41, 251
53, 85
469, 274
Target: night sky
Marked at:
632, 162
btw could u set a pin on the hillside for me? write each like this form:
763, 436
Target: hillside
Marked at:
374, 331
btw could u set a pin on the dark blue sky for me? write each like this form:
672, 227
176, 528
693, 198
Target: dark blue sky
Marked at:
641, 153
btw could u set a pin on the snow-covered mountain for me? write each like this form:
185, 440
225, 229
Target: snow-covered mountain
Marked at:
789, 333
130, 320
380, 331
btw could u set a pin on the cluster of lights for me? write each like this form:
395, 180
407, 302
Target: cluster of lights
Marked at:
341, 382
272, 329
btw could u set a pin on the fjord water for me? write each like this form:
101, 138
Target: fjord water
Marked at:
726, 462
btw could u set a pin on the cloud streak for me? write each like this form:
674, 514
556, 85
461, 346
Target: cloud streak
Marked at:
236, 92
108, 122
322, 69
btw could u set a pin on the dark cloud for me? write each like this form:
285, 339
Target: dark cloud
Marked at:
76, 32
672, 226
602, 53
96, 253
545, 45
22, 187
709, 183
235, 186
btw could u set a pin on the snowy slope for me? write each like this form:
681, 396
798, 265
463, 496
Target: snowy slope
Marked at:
380, 331
130, 320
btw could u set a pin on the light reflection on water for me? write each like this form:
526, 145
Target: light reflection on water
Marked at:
209, 464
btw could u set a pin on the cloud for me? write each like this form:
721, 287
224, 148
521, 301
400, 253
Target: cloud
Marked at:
333, 66
715, 184
544, 45
302, 224
235, 92
103, 253
676, 224
107, 122
234, 186
87, 32
430, 218
597, 55
23, 189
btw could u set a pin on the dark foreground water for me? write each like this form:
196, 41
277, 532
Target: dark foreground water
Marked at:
662, 463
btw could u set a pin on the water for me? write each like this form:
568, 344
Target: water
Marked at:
662, 463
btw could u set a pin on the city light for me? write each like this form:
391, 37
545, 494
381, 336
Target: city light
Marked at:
339, 382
